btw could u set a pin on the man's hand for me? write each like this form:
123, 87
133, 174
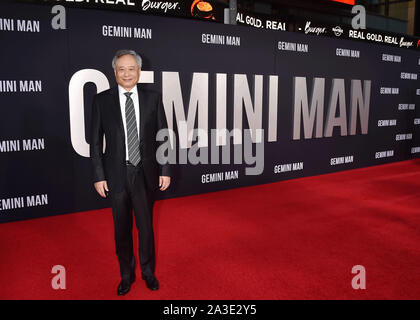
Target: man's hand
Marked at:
101, 187
164, 182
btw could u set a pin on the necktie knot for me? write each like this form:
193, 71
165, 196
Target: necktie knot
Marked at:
128, 94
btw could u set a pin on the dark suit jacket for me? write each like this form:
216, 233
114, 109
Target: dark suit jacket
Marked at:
107, 119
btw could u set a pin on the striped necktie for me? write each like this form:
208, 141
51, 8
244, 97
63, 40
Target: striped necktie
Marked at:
132, 136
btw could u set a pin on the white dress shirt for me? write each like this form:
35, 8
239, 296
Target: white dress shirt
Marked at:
123, 99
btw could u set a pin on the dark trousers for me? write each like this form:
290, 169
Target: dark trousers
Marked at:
134, 196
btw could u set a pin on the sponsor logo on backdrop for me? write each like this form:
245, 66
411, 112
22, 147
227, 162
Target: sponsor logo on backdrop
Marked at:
293, 46
209, 38
384, 154
403, 136
406, 106
22, 145
408, 76
314, 30
163, 6
416, 121
203, 9
391, 40
275, 25
99, 3
387, 123
341, 160
376, 37
20, 25
357, 34
20, 86
220, 176
126, 32
418, 92
287, 167
391, 58
406, 44
347, 53
387, 90
337, 31
24, 202
113, 3
249, 20
258, 23
415, 150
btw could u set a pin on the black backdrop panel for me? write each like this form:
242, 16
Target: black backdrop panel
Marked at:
44, 173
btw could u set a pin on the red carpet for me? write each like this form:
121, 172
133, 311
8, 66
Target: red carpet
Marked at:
296, 239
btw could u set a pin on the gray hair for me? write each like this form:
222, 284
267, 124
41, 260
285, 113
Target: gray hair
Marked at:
123, 52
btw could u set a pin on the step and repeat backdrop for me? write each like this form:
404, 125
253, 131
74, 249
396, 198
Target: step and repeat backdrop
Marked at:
283, 105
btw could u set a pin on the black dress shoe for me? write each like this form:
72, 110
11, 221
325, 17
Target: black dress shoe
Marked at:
151, 282
125, 285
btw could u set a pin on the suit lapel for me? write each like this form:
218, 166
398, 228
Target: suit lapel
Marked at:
142, 112
117, 111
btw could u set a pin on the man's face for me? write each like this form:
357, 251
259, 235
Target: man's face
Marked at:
127, 72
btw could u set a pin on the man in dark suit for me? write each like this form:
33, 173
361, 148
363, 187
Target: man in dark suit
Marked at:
128, 172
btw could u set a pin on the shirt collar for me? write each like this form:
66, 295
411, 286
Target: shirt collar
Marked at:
121, 90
